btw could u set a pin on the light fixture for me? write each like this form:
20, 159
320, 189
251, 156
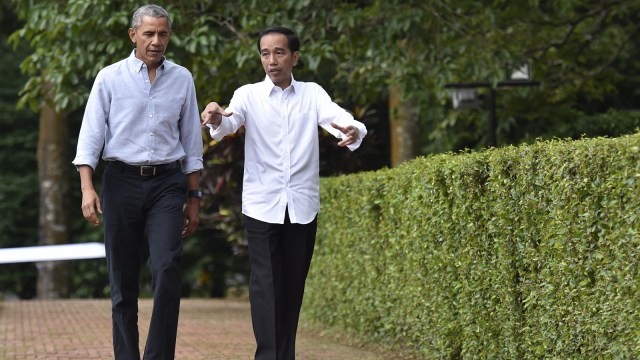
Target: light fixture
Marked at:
465, 99
519, 71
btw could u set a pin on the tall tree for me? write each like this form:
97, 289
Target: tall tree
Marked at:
54, 88
579, 50
53, 146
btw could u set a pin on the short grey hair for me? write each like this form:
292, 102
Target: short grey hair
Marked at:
149, 10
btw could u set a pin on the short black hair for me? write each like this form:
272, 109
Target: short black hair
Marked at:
292, 38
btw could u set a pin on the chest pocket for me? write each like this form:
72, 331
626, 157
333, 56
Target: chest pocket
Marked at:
168, 111
303, 126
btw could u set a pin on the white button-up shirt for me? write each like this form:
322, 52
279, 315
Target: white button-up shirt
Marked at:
282, 165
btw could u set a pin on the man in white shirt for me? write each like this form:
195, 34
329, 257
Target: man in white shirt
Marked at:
281, 186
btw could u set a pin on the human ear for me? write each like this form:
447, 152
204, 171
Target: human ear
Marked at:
132, 35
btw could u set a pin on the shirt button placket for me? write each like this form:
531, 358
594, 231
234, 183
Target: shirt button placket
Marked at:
287, 150
151, 124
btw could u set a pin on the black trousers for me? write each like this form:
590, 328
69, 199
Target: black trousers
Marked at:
280, 256
137, 209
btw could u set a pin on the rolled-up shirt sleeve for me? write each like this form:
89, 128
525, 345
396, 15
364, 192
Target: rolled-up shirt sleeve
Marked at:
191, 132
231, 124
329, 111
93, 130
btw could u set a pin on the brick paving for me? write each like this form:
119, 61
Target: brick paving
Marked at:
209, 329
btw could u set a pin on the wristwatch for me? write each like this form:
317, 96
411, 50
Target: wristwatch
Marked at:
195, 194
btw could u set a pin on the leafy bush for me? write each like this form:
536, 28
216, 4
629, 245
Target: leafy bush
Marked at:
519, 252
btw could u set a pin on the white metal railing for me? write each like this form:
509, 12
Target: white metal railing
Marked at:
90, 250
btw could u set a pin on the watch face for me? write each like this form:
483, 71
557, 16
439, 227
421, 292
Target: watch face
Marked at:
195, 194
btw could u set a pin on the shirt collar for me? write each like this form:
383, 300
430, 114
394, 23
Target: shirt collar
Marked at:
136, 64
269, 86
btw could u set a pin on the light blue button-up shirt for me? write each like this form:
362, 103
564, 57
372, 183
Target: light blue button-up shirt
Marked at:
141, 123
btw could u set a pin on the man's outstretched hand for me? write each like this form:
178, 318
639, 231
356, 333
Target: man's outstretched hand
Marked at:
212, 114
351, 133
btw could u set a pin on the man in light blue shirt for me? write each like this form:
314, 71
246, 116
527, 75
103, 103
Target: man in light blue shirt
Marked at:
281, 184
142, 114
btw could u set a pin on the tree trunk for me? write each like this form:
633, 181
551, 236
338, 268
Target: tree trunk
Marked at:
404, 128
53, 163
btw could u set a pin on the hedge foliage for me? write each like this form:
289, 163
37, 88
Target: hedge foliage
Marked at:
520, 252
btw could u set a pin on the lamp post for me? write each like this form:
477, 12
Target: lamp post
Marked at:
464, 95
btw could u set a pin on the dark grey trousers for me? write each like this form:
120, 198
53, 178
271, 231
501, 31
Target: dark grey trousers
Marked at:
280, 256
139, 209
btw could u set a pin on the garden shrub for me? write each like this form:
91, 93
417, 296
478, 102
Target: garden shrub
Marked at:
519, 252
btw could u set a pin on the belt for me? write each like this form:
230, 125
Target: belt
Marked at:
147, 170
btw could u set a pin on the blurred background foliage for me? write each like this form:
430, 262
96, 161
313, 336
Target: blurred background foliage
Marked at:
364, 52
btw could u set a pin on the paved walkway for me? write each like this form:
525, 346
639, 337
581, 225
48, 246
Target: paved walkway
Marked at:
81, 329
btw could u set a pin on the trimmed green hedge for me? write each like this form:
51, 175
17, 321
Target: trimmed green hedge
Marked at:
521, 252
